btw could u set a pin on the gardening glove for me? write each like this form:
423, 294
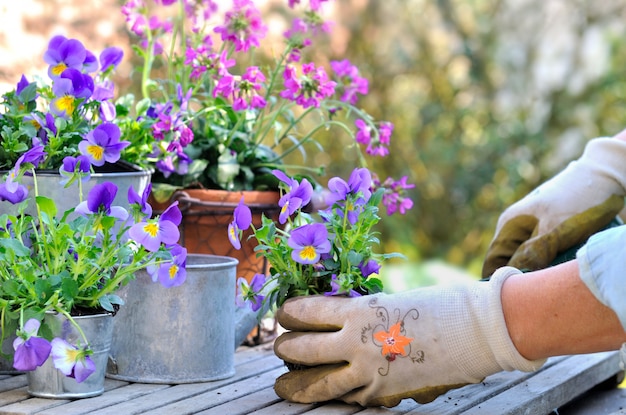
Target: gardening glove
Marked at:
379, 349
563, 212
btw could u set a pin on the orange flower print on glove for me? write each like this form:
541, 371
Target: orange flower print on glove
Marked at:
393, 342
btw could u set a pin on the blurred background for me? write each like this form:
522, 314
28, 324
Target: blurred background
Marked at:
489, 98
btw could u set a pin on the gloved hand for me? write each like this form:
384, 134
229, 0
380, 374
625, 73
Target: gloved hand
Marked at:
379, 349
563, 212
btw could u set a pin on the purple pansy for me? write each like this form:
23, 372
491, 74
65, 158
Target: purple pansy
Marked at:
350, 195
100, 199
72, 361
309, 242
103, 144
34, 156
369, 268
110, 58
19, 194
250, 294
70, 90
153, 232
64, 53
242, 218
141, 201
337, 288
174, 273
30, 351
298, 195
75, 166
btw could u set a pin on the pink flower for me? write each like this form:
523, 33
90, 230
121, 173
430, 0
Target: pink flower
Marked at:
308, 90
243, 26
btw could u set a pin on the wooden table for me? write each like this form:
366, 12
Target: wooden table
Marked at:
250, 391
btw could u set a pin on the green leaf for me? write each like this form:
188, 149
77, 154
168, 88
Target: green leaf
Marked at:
373, 285
69, 289
15, 246
47, 206
43, 290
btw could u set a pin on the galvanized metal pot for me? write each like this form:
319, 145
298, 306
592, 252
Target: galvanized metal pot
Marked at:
122, 174
48, 382
181, 334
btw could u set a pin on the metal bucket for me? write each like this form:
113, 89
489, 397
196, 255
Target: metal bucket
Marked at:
48, 185
48, 382
181, 334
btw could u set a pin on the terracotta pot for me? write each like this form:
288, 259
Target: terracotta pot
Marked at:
206, 216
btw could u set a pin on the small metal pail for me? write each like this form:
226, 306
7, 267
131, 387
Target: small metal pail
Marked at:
181, 334
48, 382
48, 185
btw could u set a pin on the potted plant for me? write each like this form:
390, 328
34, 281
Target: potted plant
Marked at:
70, 114
331, 252
62, 271
226, 105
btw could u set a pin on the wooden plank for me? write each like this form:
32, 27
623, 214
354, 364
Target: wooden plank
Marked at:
12, 396
32, 406
335, 408
91, 405
285, 408
185, 391
148, 403
245, 404
553, 387
12, 382
38, 405
219, 396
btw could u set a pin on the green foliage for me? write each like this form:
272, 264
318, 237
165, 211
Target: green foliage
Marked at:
339, 271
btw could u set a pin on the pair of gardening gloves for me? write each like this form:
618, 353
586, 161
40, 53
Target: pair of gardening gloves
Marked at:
380, 349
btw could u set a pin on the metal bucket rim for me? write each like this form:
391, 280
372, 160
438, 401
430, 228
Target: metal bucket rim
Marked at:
223, 261
102, 314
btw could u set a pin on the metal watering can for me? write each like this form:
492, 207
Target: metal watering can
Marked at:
181, 334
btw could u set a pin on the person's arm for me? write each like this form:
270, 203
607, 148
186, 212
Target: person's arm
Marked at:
379, 349
552, 312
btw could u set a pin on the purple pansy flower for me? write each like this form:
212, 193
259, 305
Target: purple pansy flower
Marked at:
174, 273
72, 361
70, 90
242, 218
369, 268
64, 53
250, 294
110, 58
141, 201
298, 195
351, 195
30, 351
33, 156
75, 166
100, 199
309, 242
103, 144
153, 232
19, 194
336, 287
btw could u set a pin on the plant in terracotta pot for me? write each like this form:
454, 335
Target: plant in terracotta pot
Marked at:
60, 266
227, 104
330, 252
